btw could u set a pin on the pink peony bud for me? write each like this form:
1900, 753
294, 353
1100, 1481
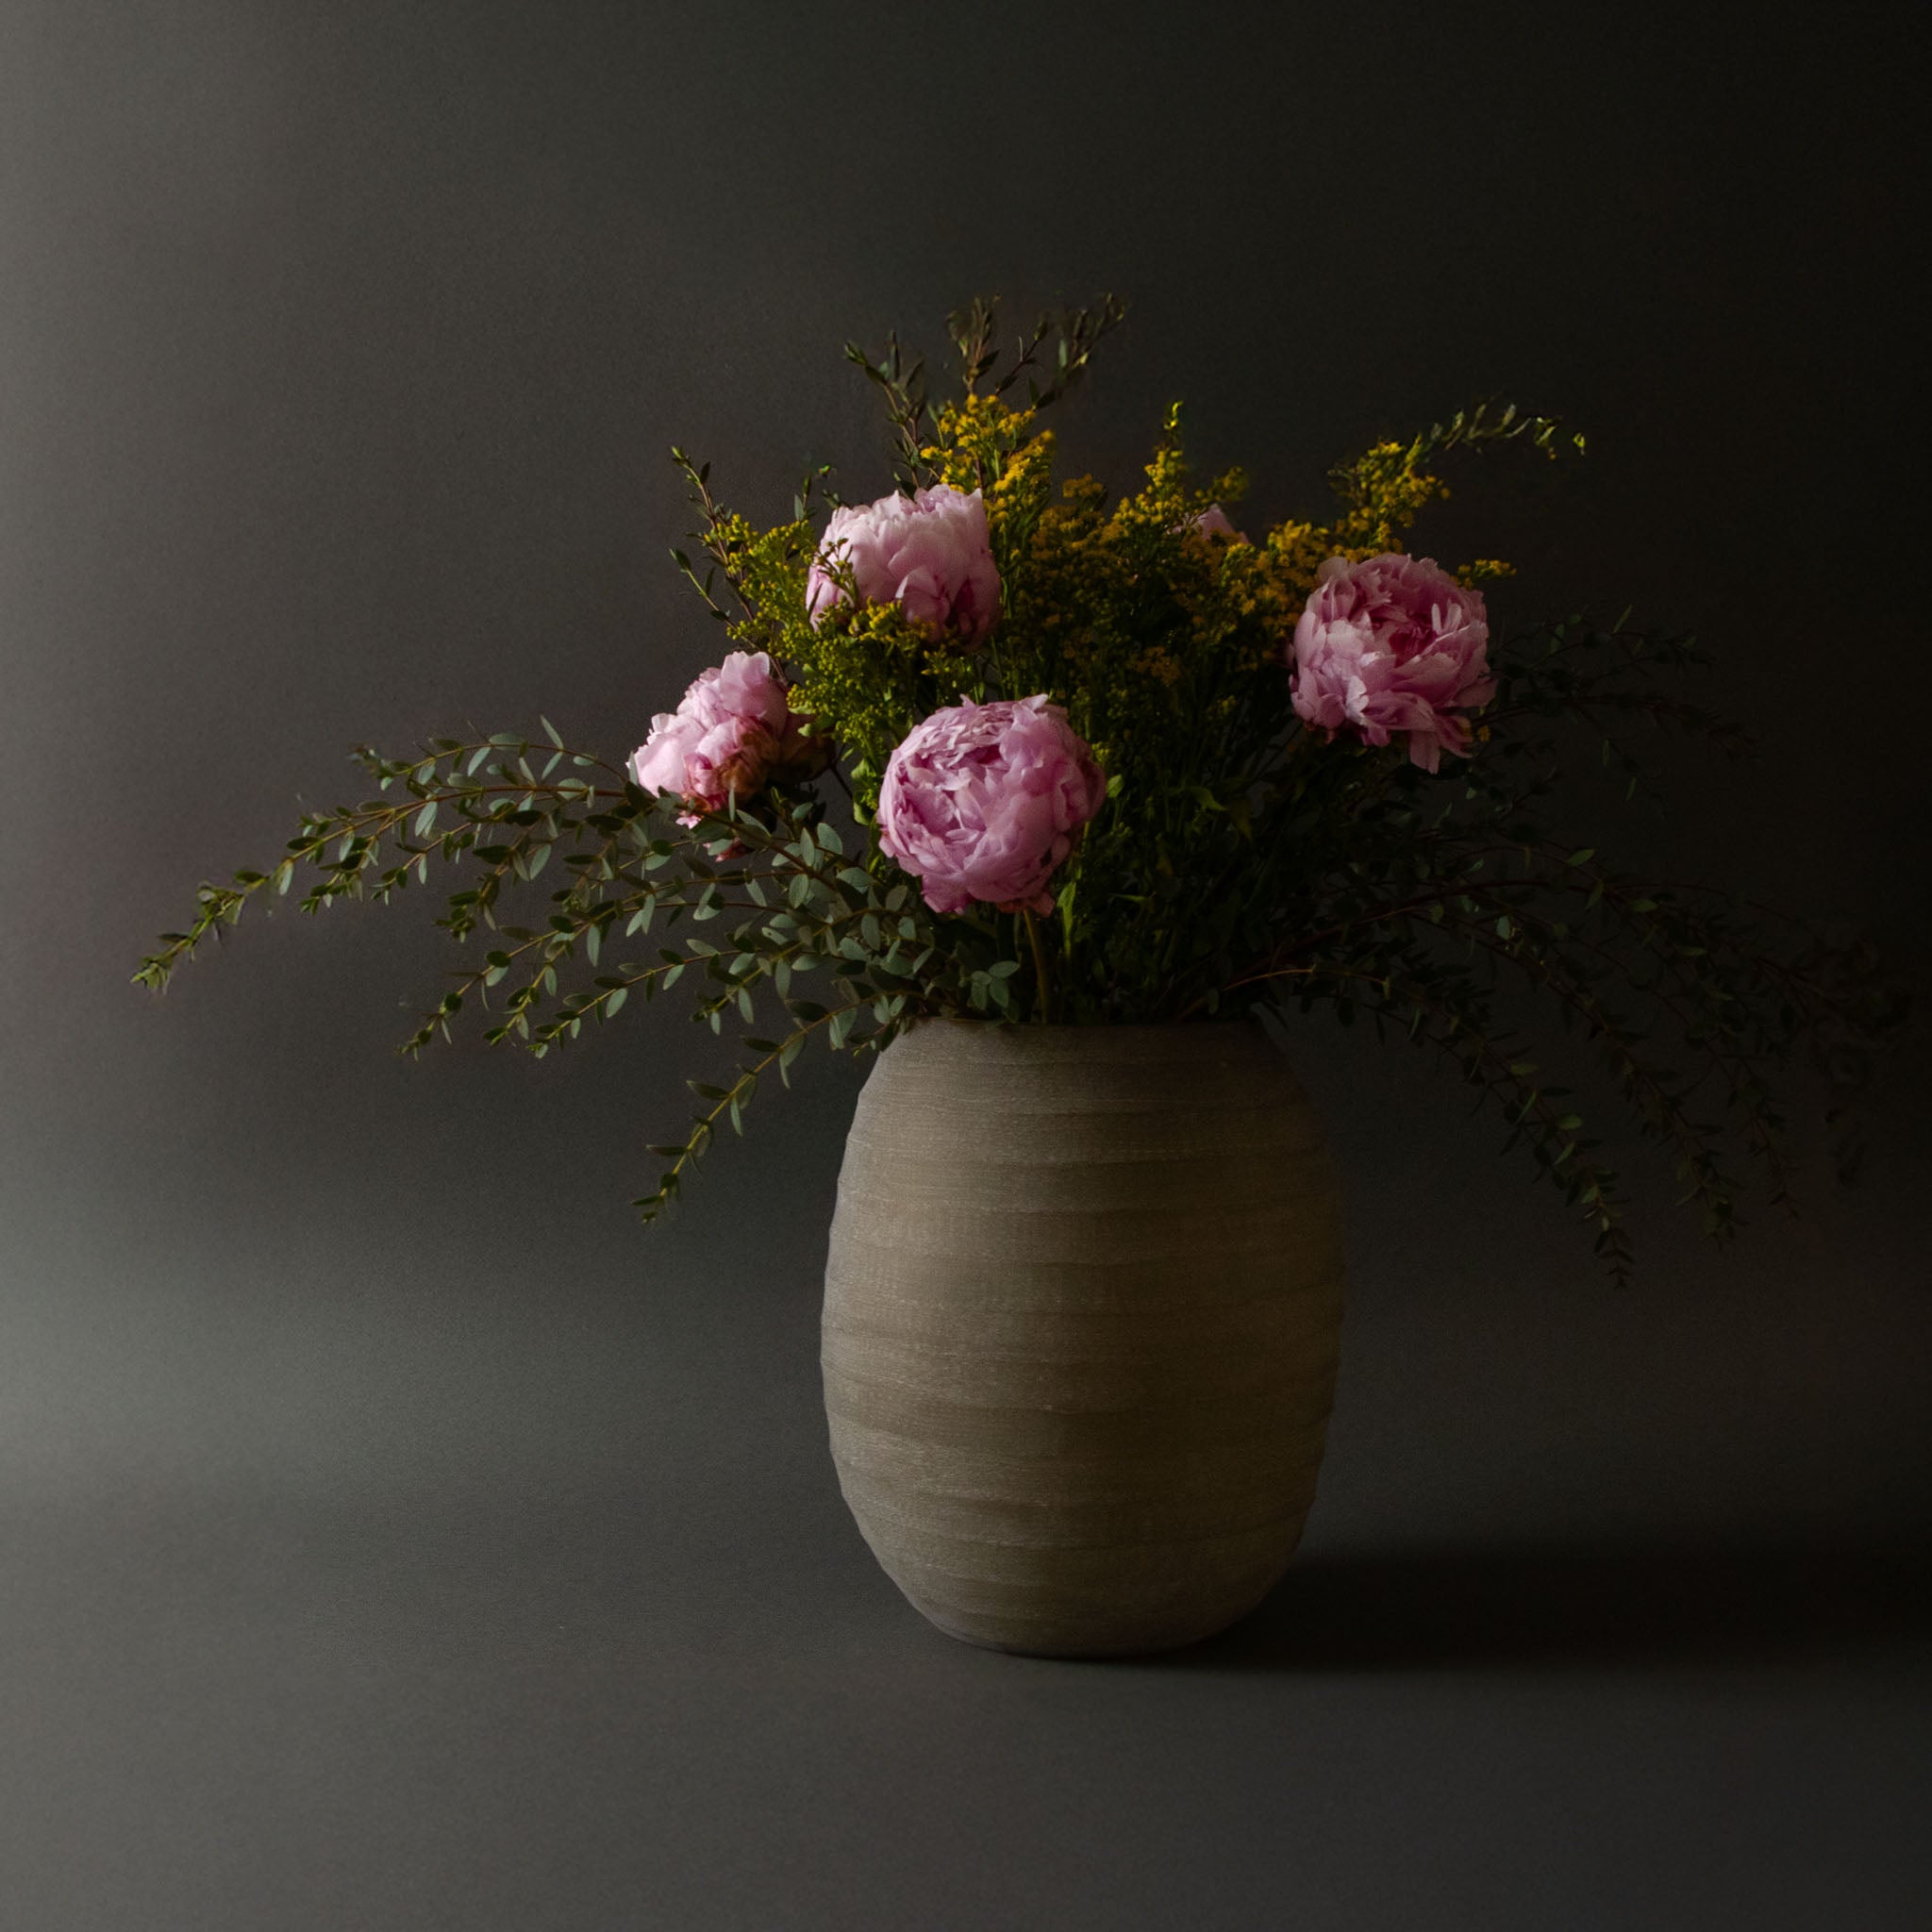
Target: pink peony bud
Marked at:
1394, 645
1212, 522
735, 732
928, 554
985, 802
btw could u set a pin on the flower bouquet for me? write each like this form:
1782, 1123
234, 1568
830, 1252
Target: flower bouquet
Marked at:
1109, 778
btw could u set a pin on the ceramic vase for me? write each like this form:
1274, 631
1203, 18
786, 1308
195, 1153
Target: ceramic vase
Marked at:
1082, 1308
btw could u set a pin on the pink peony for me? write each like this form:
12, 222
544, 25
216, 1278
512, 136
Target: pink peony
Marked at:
1394, 645
984, 802
927, 554
735, 732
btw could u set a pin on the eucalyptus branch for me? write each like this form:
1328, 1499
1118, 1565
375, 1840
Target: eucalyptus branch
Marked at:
902, 384
731, 1101
715, 539
361, 834
1455, 1020
1659, 1111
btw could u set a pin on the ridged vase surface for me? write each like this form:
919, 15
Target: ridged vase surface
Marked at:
1082, 1308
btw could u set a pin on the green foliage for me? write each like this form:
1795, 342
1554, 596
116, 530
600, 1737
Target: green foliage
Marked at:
1240, 864
770, 897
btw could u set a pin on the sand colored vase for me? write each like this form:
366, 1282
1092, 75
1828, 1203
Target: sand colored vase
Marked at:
1082, 1308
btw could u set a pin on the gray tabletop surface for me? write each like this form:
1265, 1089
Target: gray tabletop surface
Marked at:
395, 1559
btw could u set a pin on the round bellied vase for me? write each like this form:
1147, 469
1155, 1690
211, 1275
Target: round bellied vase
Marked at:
1082, 1308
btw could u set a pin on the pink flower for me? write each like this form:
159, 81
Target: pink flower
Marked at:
1394, 645
735, 732
985, 802
1212, 522
928, 554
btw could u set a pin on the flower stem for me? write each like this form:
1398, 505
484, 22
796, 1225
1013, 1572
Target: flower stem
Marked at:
1042, 980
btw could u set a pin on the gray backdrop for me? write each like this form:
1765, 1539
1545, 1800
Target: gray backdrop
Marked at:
393, 1535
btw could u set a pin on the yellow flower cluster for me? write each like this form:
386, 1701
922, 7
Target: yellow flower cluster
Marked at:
1385, 490
1158, 638
983, 444
1382, 491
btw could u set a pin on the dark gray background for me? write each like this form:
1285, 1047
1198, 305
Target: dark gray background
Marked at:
391, 1533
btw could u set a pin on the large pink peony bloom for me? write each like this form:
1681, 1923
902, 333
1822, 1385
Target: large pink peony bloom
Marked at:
984, 802
735, 732
1394, 645
928, 554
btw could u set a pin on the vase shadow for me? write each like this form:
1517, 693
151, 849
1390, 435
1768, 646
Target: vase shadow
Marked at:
1555, 1607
